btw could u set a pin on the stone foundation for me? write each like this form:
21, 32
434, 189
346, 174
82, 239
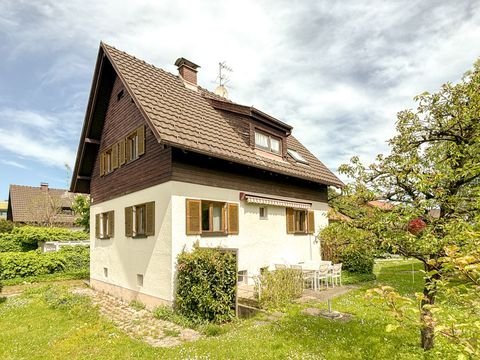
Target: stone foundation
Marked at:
128, 295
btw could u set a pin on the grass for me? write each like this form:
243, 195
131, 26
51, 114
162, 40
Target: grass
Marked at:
42, 325
73, 275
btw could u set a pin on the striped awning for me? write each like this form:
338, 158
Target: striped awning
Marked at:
263, 200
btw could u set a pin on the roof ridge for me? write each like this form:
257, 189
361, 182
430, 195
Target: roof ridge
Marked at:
39, 187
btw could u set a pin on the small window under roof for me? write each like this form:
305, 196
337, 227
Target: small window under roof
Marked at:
296, 156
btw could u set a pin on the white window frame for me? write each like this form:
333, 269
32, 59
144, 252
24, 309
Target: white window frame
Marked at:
269, 146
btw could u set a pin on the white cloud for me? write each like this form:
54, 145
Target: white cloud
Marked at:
13, 163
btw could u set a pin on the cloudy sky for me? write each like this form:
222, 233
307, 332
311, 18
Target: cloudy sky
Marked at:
338, 72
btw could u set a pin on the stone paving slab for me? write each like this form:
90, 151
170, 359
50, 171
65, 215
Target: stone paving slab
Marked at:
139, 323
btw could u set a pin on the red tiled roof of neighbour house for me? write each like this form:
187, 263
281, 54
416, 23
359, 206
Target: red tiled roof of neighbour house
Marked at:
186, 119
36, 204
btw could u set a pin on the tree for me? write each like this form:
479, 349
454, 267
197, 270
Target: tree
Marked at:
432, 174
81, 207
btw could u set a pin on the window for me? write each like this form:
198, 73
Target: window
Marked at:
132, 147
66, 210
242, 277
204, 217
140, 220
300, 221
135, 144
296, 156
105, 272
104, 225
120, 95
140, 279
263, 212
127, 149
267, 142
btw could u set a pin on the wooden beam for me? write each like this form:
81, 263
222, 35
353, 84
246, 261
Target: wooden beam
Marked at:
80, 177
92, 141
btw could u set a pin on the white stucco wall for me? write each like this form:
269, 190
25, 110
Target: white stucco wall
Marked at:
259, 242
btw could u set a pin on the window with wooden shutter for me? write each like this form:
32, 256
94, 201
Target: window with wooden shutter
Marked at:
121, 152
101, 160
194, 217
114, 156
111, 224
232, 215
128, 150
129, 221
150, 219
311, 222
97, 226
290, 221
141, 140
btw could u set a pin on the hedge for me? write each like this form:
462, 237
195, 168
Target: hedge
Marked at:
206, 285
26, 238
34, 263
279, 287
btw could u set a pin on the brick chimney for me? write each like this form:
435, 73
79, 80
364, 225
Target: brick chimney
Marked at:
187, 70
44, 186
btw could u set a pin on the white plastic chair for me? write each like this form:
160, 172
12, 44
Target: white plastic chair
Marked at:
336, 274
322, 275
280, 266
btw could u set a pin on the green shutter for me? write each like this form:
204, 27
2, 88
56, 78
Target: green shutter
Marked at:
150, 218
129, 221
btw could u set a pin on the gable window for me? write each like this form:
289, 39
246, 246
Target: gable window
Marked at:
267, 142
104, 225
204, 217
135, 144
140, 220
300, 221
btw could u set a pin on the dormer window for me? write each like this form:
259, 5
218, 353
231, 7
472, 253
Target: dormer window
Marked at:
267, 142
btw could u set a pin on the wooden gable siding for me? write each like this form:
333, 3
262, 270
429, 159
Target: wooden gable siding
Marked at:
198, 169
152, 168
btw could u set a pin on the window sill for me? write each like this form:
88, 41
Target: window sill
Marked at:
140, 236
104, 238
213, 233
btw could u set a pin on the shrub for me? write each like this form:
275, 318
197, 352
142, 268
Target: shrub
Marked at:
14, 243
206, 285
76, 258
34, 263
279, 287
6, 226
35, 234
350, 247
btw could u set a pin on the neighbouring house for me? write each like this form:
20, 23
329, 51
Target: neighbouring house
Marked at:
41, 206
169, 164
3, 209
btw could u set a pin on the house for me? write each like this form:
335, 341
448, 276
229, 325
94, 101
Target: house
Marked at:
3, 209
168, 164
41, 206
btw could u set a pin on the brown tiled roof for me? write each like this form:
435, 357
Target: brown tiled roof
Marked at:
34, 204
184, 118
380, 204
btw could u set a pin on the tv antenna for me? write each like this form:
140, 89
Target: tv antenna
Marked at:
222, 79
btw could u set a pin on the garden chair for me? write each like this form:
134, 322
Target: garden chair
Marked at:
336, 274
322, 275
280, 266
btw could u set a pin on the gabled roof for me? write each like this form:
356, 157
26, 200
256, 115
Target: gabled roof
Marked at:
186, 119
30, 204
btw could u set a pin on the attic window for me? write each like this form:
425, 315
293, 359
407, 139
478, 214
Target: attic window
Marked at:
267, 142
120, 95
296, 156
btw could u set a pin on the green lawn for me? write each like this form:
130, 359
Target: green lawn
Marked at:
31, 329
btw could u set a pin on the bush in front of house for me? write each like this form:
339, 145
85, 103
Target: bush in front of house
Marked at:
13, 243
279, 287
34, 263
206, 285
351, 247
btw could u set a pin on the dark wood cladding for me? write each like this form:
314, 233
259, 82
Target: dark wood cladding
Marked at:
152, 168
198, 169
